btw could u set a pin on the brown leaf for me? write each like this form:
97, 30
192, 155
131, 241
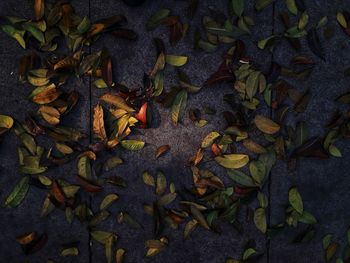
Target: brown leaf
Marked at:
46, 95
88, 186
98, 123
222, 74
107, 70
176, 32
26, 238
311, 148
198, 157
303, 102
124, 34
39, 8
162, 150
36, 245
66, 63
95, 29
117, 101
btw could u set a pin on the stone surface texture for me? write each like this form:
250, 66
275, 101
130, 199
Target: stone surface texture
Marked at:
324, 185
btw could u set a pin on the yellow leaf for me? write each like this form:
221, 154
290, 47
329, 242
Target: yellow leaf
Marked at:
232, 161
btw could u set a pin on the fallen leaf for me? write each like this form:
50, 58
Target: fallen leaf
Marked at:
132, 145
161, 150
266, 125
18, 193
232, 161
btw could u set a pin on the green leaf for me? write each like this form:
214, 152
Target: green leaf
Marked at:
292, 7
304, 19
36, 33
87, 63
263, 201
158, 83
167, 199
252, 84
161, 183
100, 84
71, 251
84, 168
109, 248
238, 7
132, 145
241, 178
197, 214
209, 139
341, 20
295, 200
101, 236
111, 163
207, 46
331, 250
84, 25
268, 43
326, 241
257, 170
233, 161
14, 33
29, 142
18, 193
260, 219
176, 61
148, 179
261, 4
301, 133
248, 253
108, 200
323, 21
201, 123
333, 150
178, 106
156, 18
307, 218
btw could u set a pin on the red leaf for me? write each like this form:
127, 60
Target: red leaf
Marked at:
142, 114
57, 192
88, 186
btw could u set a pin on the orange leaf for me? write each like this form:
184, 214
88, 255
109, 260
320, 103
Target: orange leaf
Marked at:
215, 149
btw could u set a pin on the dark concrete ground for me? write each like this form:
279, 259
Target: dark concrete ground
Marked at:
324, 185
